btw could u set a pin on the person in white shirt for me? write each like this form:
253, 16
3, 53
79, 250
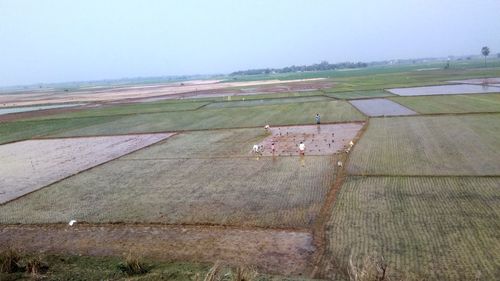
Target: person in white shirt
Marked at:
255, 148
302, 148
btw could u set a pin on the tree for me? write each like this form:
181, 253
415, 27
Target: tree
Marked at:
485, 51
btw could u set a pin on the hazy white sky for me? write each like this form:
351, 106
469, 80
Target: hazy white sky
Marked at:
56, 41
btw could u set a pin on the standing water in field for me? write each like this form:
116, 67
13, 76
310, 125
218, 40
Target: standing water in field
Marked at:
445, 90
35, 108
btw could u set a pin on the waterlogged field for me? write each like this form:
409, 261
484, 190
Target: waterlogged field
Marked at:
9, 110
452, 104
426, 228
445, 90
359, 94
33, 164
278, 192
381, 107
440, 145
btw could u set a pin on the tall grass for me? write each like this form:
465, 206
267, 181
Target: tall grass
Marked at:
372, 268
10, 261
133, 265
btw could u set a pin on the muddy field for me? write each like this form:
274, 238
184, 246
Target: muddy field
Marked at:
33, 164
276, 251
445, 90
318, 139
158, 92
381, 107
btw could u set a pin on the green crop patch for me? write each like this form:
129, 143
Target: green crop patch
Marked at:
20, 130
439, 228
438, 145
126, 109
255, 116
203, 144
269, 101
452, 103
277, 192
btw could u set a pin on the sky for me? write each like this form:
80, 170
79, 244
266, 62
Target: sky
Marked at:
78, 40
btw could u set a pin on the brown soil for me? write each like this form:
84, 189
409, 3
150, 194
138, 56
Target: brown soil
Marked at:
274, 251
157, 91
326, 139
33, 164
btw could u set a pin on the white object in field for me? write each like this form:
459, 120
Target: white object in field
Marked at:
351, 143
302, 147
255, 148
267, 127
339, 163
72, 222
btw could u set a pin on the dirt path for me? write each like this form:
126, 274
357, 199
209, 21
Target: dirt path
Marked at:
323, 264
274, 251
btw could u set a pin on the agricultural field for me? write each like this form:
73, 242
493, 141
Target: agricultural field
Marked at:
21, 130
381, 107
285, 252
426, 228
358, 94
8, 110
135, 108
451, 104
421, 191
254, 116
33, 164
284, 192
437, 145
268, 101
479, 81
318, 140
445, 90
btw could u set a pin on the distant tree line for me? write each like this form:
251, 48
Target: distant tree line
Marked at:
324, 65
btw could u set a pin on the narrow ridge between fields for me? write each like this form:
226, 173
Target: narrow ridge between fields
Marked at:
423, 176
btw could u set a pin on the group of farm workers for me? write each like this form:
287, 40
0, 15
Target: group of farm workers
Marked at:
302, 147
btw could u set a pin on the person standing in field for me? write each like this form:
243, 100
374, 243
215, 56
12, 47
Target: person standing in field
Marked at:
273, 149
318, 119
302, 148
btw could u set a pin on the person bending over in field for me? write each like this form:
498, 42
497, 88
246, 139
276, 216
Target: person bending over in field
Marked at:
302, 148
255, 149
318, 118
